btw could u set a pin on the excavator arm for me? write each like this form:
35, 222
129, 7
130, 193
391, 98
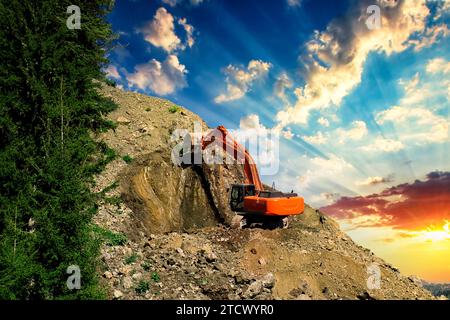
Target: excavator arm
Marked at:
254, 203
222, 138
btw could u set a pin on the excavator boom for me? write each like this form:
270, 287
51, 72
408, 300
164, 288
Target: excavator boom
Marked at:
221, 136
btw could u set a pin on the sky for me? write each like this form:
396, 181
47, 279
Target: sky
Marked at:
358, 94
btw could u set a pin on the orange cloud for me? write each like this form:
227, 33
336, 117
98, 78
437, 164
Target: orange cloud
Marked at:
409, 206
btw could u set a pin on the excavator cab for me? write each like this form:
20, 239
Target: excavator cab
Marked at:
238, 192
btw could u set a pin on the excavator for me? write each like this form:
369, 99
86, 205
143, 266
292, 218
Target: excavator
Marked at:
250, 199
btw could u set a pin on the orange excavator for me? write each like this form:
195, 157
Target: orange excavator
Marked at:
249, 199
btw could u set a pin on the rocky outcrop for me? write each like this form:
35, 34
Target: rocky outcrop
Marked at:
162, 195
169, 235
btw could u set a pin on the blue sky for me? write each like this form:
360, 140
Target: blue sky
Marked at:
233, 33
360, 110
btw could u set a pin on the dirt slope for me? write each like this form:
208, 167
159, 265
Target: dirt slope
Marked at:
180, 245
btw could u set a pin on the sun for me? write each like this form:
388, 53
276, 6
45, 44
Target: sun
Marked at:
435, 235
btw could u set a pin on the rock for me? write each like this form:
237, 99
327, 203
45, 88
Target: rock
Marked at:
236, 222
123, 120
210, 257
268, 281
127, 282
106, 256
233, 296
365, 296
117, 294
253, 289
108, 274
303, 297
137, 276
253, 251
125, 270
262, 261
415, 280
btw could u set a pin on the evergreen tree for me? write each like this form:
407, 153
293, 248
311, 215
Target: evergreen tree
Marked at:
49, 107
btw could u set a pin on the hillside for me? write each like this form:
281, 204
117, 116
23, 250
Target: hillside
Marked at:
438, 289
179, 243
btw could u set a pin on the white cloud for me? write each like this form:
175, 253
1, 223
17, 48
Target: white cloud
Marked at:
173, 3
287, 134
294, 3
263, 143
355, 133
161, 78
319, 168
335, 58
324, 122
438, 65
282, 83
251, 122
239, 80
384, 145
317, 139
160, 32
416, 125
112, 72
189, 32
431, 35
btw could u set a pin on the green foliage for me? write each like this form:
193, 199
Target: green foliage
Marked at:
106, 125
109, 237
174, 109
142, 287
115, 201
131, 258
148, 109
156, 277
49, 105
127, 158
111, 187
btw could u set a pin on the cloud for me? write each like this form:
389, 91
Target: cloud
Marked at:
318, 169
282, 83
438, 65
240, 80
355, 133
324, 122
430, 36
294, 3
427, 128
372, 181
160, 32
112, 72
162, 78
317, 139
173, 3
251, 122
189, 32
406, 206
261, 142
287, 134
334, 58
384, 145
